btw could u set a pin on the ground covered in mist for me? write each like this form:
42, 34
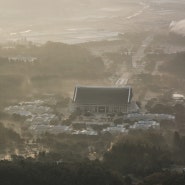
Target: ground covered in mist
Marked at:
134, 53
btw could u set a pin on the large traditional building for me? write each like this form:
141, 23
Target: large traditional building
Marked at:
102, 99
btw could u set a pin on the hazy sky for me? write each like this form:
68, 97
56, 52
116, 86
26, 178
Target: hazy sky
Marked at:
50, 6
56, 16
50, 3
26, 9
17, 15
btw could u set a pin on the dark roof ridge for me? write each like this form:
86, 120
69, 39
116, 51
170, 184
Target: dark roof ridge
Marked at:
102, 94
120, 87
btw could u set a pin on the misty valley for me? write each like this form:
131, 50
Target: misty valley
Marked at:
92, 92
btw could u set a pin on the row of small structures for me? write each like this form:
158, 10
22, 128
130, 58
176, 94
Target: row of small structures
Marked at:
101, 102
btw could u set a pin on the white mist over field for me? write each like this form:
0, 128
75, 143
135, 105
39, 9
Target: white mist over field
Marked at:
178, 27
70, 21
77, 21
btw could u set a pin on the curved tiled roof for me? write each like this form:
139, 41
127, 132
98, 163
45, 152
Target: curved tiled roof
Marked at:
102, 95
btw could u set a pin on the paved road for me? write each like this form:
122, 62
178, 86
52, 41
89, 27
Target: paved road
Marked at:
141, 52
123, 79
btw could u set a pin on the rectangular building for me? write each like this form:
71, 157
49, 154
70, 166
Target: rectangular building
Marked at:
102, 99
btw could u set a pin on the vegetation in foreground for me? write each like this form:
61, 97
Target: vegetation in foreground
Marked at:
141, 157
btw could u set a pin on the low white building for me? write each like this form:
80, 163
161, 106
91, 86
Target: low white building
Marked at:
26, 59
146, 117
177, 96
115, 129
145, 125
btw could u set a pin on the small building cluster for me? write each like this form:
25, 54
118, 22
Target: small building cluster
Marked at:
24, 59
145, 125
102, 110
146, 117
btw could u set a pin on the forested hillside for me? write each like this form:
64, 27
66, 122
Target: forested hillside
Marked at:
47, 68
175, 65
